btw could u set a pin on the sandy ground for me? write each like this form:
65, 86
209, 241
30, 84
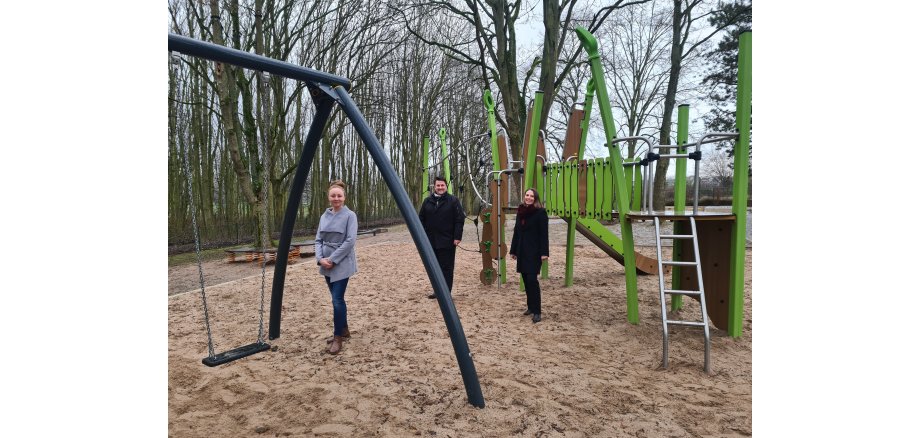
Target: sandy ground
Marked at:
582, 372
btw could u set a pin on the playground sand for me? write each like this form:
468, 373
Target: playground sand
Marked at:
582, 371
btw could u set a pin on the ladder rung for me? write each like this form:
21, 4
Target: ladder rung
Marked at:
676, 263
676, 236
690, 323
681, 292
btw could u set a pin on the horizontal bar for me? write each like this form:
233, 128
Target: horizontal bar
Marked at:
674, 263
674, 156
214, 52
681, 292
676, 236
690, 323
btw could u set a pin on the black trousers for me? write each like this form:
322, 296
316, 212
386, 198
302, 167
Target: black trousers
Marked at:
445, 258
532, 287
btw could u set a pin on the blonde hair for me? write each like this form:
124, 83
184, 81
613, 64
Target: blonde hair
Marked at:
338, 183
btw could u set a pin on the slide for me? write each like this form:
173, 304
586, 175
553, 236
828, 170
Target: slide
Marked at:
598, 234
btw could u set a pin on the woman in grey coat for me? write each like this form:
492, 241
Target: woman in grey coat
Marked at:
335, 255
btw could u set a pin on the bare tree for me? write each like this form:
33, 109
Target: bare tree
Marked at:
716, 167
483, 34
638, 67
686, 22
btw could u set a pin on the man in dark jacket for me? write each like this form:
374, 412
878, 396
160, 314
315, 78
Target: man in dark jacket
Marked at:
442, 217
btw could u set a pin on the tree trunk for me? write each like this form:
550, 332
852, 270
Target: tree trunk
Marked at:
670, 98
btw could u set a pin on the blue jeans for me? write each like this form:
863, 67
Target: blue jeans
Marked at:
339, 310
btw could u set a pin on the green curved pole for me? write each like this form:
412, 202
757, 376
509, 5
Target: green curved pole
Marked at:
619, 178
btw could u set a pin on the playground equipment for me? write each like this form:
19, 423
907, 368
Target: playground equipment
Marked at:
584, 192
327, 90
712, 243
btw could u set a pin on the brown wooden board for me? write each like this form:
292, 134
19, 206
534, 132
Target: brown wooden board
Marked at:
715, 249
498, 222
487, 275
573, 134
526, 144
502, 152
541, 150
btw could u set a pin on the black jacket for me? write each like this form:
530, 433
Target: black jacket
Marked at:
530, 241
443, 220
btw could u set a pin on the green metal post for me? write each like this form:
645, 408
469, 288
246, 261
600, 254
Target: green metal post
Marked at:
622, 195
680, 196
544, 270
637, 188
425, 190
570, 239
740, 188
496, 166
534, 133
444, 156
530, 160
628, 171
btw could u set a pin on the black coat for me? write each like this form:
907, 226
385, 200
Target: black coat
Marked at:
530, 241
442, 219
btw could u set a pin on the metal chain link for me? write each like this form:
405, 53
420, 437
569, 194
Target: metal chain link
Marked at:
265, 169
191, 198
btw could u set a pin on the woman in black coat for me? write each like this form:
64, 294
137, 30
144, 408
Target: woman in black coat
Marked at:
530, 246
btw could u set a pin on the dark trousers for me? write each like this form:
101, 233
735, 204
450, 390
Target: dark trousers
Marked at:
445, 258
532, 287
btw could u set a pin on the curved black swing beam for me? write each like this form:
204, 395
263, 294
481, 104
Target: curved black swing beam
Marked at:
327, 89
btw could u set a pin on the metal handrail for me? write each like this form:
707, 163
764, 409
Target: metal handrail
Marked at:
715, 136
646, 192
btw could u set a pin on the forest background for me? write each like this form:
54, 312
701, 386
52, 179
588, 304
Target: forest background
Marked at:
417, 67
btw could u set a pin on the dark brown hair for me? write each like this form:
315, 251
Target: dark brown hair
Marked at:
536, 198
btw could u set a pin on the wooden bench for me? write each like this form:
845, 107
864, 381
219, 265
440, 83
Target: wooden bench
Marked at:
255, 255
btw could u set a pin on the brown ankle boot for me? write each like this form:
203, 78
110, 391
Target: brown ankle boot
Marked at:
345, 336
336, 345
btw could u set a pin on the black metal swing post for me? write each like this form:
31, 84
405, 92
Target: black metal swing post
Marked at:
326, 89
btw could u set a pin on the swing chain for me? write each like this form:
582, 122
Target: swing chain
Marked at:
191, 198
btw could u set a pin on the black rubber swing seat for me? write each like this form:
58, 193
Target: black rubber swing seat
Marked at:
236, 353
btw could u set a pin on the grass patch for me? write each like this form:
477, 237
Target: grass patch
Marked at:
189, 257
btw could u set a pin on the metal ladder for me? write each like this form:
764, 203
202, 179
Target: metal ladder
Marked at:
665, 322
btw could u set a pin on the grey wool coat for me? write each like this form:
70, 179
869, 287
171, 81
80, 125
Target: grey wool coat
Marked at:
335, 240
